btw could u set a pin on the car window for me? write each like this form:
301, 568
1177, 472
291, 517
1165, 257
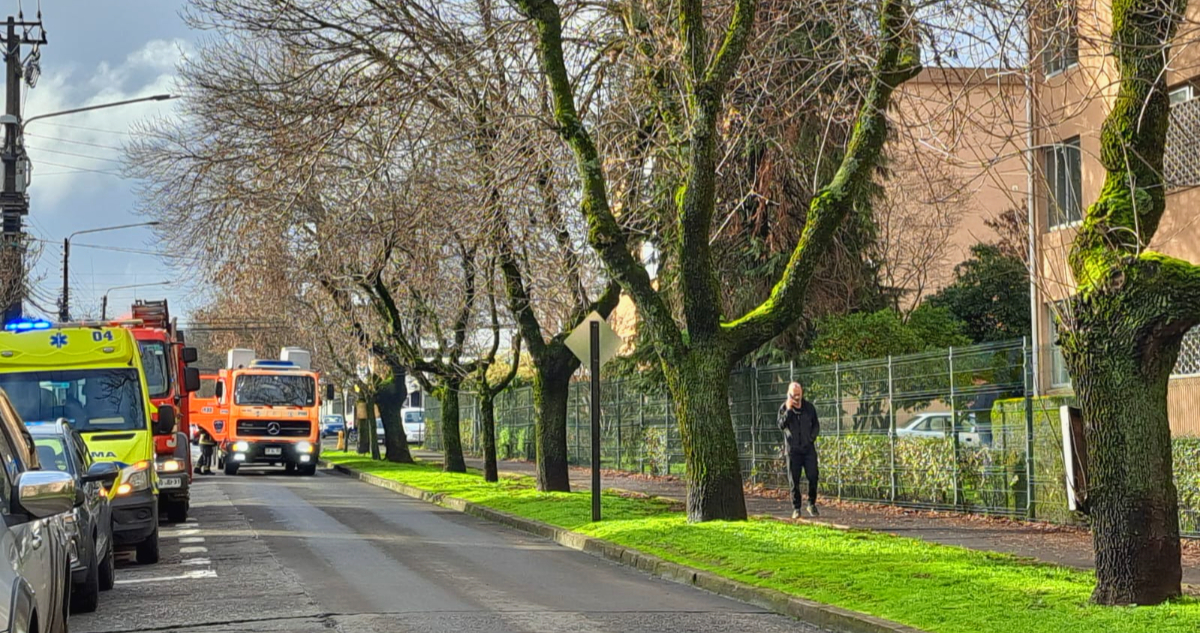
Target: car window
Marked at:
82, 450
922, 426
11, 469
940, 423
53, 453
19, 455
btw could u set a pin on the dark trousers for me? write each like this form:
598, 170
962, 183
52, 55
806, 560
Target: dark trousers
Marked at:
206, 456
805, 460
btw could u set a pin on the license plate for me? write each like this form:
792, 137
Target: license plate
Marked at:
273, 450
170, 482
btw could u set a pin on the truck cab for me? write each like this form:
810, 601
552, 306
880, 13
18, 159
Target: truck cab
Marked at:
170, 381
274, 412
91, 375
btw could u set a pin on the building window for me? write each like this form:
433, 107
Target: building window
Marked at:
1061, 41
1059, 376
1182, 94
1064, 183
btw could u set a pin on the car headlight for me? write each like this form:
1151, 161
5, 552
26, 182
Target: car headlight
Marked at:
137, 478
241, 447
170, 466
304, 447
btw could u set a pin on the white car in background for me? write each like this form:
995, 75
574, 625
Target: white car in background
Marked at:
414, 425
937, 424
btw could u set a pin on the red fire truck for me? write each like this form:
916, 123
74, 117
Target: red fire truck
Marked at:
170, 381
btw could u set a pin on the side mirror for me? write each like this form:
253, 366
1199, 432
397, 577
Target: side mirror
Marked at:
329, 392
191, 378
189, 354
166, 420
220, 387
45, 493
179, 338
103, 473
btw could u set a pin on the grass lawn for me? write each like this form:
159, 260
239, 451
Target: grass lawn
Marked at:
937, 588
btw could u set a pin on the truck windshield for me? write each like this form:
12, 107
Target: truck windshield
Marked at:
90, 399
154, 361
274, 390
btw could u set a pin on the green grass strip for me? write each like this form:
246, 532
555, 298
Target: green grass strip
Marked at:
933, 587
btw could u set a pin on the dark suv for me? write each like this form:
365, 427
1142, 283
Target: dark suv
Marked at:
89, 523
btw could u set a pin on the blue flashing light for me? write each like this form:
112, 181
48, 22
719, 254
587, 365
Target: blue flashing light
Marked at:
26, 325
272, 363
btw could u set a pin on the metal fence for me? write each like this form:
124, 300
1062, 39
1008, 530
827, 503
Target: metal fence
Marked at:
956, 429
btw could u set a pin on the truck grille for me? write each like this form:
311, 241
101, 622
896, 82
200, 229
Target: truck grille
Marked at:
262, 428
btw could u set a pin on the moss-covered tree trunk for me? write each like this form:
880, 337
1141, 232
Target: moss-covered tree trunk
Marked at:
1121, 386
452, 453
390, 397
700, 388
551, 393
363, 420
1122, 333
487, 415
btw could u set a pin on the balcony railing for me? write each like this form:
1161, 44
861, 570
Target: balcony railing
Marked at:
1181, 160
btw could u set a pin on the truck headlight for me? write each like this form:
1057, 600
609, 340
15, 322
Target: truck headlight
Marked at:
304, 447
241, 447
137, 478
170, 466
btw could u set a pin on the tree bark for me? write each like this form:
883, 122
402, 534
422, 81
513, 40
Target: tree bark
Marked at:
452, 452
391, 396
1121, 364
551, 390
362, 420
487, 411
700, 386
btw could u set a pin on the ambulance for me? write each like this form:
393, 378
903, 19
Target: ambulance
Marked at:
91, 375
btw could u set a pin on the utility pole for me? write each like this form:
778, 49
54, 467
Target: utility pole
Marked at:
14, 202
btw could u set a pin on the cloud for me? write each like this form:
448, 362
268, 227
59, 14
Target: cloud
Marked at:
83, 152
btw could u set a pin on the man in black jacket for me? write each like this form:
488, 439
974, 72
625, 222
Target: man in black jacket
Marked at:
798, 421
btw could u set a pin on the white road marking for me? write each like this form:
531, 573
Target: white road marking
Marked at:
181, 532
192, 539
191, 575
195, 561
193, 550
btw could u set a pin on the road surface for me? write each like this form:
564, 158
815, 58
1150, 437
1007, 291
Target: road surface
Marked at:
275, 553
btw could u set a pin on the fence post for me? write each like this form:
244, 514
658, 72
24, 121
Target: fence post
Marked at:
754, 411
1030, 505
837, 389
578, 450
620, 464
891, 431
954, 431
642, 431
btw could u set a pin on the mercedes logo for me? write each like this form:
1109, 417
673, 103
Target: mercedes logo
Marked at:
273, 428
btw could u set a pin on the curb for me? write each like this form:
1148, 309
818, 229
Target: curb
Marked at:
821, 615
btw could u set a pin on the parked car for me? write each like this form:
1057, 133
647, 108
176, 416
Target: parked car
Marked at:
379, 430
414, 425
331, 425
937, 424
89, 524
34, 547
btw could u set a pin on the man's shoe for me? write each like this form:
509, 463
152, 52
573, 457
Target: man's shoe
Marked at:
812, 510
795, 514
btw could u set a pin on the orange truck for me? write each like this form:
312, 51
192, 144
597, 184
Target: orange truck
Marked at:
273, 411
170, 381
205, 411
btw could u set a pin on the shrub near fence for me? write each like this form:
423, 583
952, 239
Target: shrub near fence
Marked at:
866, 453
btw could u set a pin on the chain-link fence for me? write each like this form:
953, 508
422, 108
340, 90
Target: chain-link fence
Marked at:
956, 429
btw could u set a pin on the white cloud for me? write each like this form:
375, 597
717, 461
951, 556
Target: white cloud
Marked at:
67, 151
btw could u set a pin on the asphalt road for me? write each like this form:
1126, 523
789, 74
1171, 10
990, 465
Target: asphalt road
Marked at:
275, 553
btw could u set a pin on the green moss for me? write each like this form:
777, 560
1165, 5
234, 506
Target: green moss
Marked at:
932, 587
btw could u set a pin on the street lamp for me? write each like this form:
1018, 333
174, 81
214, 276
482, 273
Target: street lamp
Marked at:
104, 300
64, 311
98, 107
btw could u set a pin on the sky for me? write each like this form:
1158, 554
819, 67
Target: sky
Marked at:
98, 52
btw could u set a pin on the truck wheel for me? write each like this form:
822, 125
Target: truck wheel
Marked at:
177, 511
108, 570
85, 597
147, 550
308, 470
231, 468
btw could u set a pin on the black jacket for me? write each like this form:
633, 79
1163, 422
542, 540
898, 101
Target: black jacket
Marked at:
800, 426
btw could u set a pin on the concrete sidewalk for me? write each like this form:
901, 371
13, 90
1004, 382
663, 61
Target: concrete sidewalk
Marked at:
1062, 545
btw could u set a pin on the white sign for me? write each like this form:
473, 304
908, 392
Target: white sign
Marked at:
580, 340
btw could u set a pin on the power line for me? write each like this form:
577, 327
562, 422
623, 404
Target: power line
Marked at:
87, 156
75, 168
80, 127
67, 140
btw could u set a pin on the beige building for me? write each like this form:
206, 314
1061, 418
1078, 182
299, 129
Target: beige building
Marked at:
1072, 93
